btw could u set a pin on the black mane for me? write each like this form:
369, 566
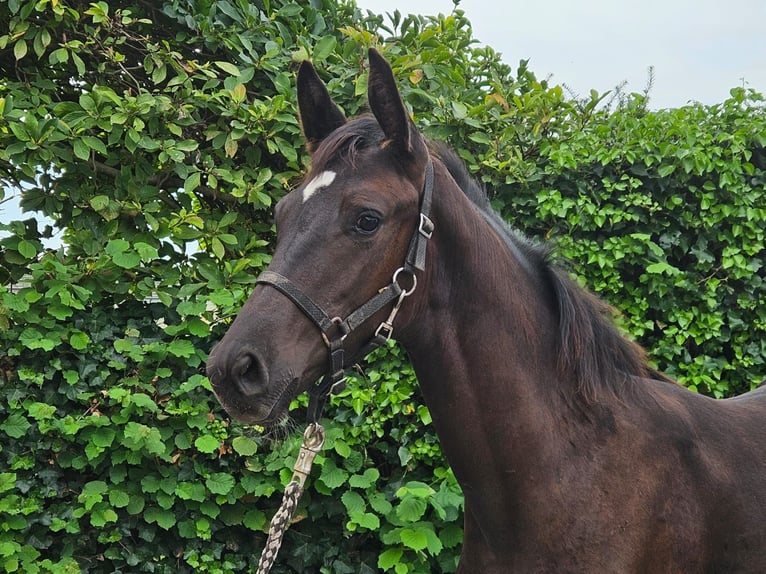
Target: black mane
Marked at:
592, 351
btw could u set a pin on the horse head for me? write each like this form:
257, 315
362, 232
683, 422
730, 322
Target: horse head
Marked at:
345, 255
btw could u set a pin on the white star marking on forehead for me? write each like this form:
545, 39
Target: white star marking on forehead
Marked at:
319, 182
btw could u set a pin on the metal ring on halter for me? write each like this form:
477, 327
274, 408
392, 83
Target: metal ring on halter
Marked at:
338, 322
405, 292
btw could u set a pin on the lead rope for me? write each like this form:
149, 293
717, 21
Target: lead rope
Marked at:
313, 439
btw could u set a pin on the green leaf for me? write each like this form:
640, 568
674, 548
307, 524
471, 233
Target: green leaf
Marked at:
192, 181
144, 402
353, 502
15, 426
390, 558
459, 110
365, 520
95, 144
198, 327
662, 268
332, 476
451, 536
220, 483
164, 518
41, 411
324, 47
60, 312
145, 251
191, 491
79, 340
218, 249
228, 67
102, 516
20, 49
137, 436
182, 348
207, 443
411, 509
365, 480
26, 249
103, 437
81, 150
118, 498
666, 170
244, 446
342, 448
415, 539
118, 250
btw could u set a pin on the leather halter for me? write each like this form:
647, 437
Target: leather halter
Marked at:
335, 330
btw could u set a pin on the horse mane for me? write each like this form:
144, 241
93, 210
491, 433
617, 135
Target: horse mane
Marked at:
592, 350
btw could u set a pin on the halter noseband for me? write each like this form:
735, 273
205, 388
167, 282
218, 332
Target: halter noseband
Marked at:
335, 330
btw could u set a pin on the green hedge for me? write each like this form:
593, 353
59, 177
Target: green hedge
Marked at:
159, 136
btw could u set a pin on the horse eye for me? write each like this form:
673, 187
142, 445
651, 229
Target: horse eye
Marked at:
367, 223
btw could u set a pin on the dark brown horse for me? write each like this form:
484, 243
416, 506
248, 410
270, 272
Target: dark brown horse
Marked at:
572, 453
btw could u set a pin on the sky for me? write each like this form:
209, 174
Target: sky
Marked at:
699, 49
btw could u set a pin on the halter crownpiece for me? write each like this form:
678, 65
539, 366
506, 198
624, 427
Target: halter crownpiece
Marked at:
335, 330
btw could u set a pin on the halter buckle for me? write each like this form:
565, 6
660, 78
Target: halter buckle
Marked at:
426, 226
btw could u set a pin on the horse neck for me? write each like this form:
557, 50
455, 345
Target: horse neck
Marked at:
483, 344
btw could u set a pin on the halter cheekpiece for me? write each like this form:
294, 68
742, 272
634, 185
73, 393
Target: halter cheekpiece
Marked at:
335, 330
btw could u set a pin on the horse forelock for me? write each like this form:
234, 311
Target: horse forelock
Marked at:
346, 142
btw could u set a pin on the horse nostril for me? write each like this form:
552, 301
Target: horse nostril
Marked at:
249, 374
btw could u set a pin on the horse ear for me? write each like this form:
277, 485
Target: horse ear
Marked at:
387, 107
319, 115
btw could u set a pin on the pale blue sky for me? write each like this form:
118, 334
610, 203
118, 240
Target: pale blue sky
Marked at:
699, 49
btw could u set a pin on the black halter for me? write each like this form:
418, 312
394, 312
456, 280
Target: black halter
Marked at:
335, 330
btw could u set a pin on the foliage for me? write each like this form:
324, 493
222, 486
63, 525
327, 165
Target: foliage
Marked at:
663, 212
158, 136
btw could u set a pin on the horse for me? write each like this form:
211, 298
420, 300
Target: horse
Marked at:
574, 455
